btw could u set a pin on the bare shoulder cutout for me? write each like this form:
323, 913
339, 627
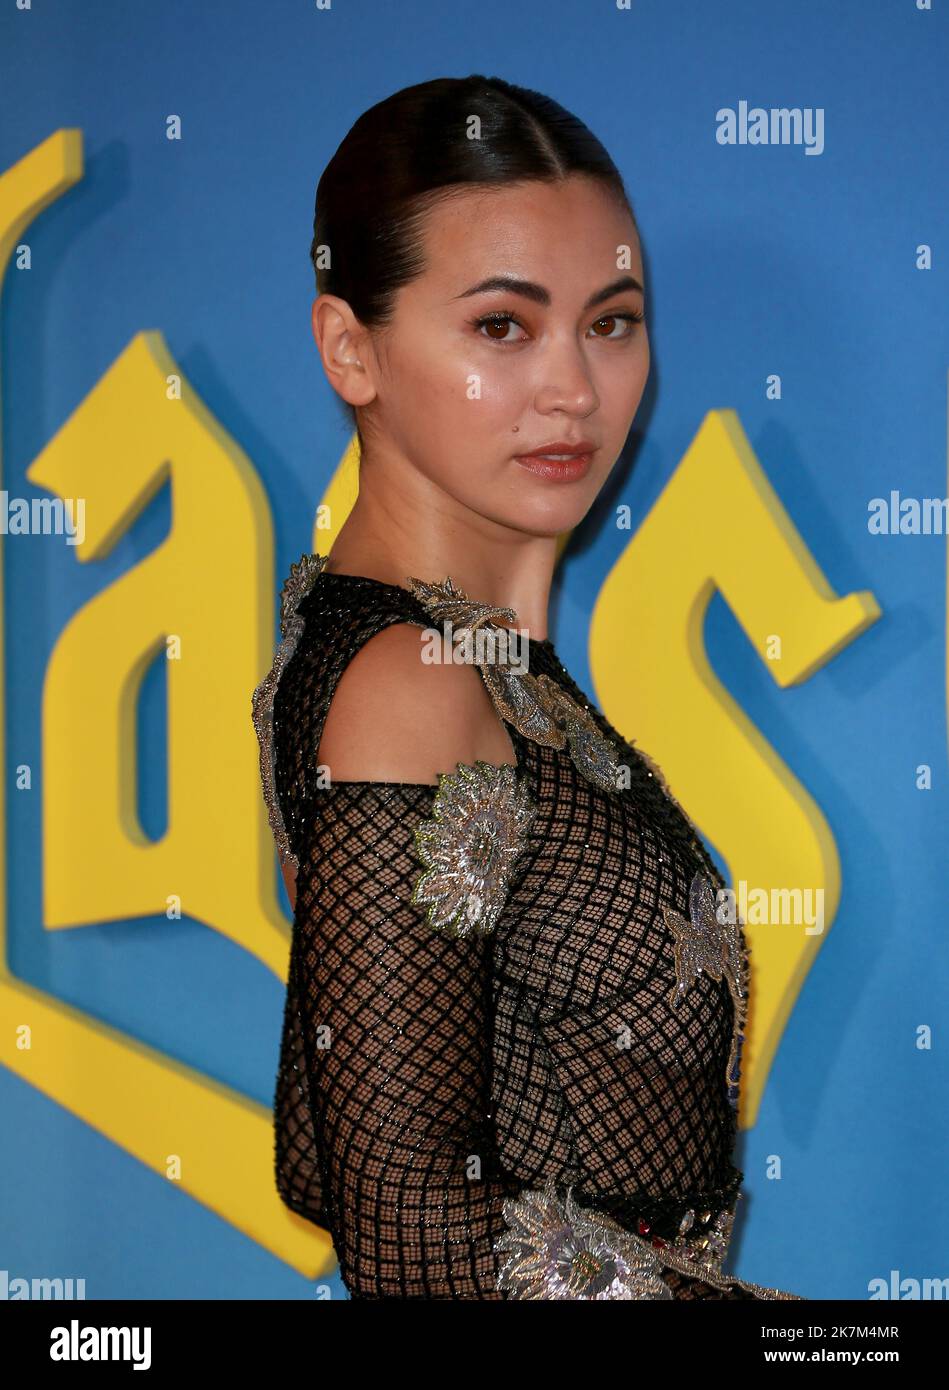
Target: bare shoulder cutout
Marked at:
395, 717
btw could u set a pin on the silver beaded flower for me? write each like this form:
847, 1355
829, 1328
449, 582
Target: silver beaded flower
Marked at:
557, 1250
469, 845
593, 754
704, 943
536, 705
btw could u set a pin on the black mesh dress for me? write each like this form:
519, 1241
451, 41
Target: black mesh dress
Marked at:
514, 1014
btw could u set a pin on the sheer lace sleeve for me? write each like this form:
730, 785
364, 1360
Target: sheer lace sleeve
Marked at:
396, 1027
383, 1130
296, 1163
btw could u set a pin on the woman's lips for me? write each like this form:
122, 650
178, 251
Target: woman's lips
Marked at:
559, 470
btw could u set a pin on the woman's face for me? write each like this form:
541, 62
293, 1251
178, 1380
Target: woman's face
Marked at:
469, 377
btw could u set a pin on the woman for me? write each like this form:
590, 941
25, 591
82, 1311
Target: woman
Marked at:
513, 1018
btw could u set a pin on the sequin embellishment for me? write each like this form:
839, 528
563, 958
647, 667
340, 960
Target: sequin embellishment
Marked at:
297, 584
704, 944
536, 705
555, 1249
469, 845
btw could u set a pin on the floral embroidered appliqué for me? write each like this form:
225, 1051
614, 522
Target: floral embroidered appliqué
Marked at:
707, 944
297, 584
469, 845
536, 705
556, 1250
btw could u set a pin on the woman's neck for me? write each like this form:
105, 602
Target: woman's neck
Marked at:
489, 563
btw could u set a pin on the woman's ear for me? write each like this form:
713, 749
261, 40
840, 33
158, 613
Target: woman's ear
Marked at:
341, 341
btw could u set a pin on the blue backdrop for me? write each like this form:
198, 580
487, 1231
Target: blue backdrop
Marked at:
759, 258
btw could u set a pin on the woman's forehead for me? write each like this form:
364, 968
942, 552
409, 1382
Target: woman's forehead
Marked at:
530, 232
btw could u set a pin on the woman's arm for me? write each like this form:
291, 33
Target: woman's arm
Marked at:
383, 1118
296, 1158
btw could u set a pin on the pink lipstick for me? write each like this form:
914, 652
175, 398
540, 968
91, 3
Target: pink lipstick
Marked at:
562, 460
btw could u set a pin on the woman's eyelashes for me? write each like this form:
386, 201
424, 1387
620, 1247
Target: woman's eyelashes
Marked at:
502, 319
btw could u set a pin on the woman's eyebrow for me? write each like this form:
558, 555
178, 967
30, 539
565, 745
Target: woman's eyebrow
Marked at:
531, 290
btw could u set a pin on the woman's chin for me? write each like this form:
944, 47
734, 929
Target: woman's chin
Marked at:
551, 519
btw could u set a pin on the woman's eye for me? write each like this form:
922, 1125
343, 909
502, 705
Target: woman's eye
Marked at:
629, 320
498, 322
495, 326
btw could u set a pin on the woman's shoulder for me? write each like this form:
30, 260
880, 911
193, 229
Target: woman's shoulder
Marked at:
392, 704
328, 618
399, 715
